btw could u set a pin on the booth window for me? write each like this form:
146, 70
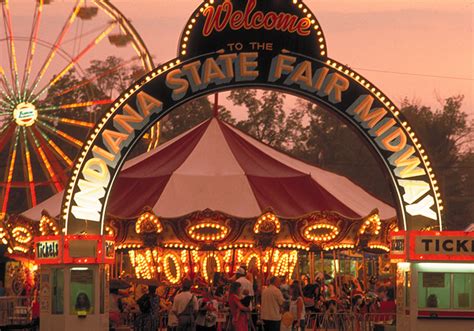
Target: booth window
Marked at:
434, 290
440, 290
82, 291
58, 292
462, 290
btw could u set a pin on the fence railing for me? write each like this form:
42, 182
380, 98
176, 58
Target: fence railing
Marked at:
15, 311
339, 321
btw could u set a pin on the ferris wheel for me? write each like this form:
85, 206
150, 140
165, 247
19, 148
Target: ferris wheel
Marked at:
61, 64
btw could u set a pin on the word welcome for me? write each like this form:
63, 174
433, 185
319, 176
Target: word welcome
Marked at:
217, 19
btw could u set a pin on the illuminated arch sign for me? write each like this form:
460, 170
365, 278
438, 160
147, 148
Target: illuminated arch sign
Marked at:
253, 43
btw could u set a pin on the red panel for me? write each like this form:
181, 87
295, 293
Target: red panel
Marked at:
437, 257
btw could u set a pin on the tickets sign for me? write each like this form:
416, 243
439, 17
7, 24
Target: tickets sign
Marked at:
432, 246
257, 44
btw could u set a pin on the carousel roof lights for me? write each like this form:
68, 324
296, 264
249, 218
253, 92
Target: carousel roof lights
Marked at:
310, 235
128, 246
293, 246
339, 246
22, 235
207, 232
379, 247
181, 246
235, 246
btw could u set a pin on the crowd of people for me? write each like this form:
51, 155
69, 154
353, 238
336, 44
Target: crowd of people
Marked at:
245, 302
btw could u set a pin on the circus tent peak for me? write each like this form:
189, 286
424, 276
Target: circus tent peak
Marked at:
215, 166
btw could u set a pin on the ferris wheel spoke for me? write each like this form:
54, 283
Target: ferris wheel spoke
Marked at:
32, 45
56, 46
63, 156
29, 169
6, 85
66, 137
8, 130
93, 78
9, 171
76, 59
11, 43
46, 163
78, 105
69, 121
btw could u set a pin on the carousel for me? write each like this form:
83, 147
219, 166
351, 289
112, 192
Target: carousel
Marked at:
214, 199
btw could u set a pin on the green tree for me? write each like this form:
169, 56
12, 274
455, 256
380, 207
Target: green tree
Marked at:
330, 144
188, 116
448, 136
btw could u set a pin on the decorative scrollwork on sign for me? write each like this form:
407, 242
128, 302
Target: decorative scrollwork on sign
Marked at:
371, 225
148, 226
148, 223
48, 226
267, 223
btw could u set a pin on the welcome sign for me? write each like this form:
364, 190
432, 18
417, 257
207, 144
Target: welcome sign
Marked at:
256, 44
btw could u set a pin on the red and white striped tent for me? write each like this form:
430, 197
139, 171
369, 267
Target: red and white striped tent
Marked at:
215, 166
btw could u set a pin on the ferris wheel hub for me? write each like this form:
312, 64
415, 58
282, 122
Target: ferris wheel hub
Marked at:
25, 114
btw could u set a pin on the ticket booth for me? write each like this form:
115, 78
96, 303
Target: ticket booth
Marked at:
435, 280
74, 281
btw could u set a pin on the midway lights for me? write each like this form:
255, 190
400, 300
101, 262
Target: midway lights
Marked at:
148, 223
286, 264
267, 223
319, 233
167, 261
253, 256
208, 232
206, 263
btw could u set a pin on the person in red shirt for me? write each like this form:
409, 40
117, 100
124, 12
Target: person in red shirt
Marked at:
240, 320
387, 307
35, 310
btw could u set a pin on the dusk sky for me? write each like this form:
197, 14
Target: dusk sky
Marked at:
427, 37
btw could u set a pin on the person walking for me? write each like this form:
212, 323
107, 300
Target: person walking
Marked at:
297, 307
149, 305
184, 307
245, 284
272, 300
206, 319
238, 311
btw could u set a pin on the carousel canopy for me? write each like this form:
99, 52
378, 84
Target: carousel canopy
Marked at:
215, 166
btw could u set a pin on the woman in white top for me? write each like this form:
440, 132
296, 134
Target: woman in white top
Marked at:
297, 306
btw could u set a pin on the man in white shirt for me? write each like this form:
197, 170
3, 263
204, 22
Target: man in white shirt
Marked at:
184, 307
272, 300
246, 285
